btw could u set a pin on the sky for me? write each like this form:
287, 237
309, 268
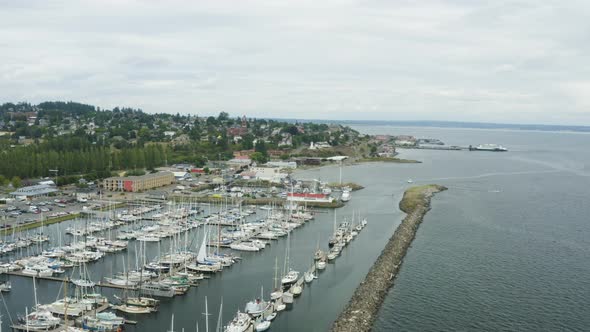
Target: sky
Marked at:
457, 60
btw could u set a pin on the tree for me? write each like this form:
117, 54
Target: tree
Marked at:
258, 157
16, 182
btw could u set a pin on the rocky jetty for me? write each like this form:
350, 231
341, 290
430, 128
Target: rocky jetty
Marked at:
361, 311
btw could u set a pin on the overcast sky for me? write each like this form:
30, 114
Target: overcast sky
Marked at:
490, 61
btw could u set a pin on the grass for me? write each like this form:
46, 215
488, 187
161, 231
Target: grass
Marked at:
414, 197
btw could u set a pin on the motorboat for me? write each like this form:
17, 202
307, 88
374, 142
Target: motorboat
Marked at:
308, 277
157, 289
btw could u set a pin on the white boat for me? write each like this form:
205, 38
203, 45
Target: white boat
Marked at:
38, 271
308, 277
320, 265
410, 181
148, 238
271, 316
5, 286
296, 290
280, 307
244, 246
488, 147
83, 283
287, 297
332, 255
346, 196
240, 323
120, 282
157, 289
290, 278
262, 326
130, 309
256, 307
39, 320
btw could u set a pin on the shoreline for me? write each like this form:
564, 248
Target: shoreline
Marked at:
364, 305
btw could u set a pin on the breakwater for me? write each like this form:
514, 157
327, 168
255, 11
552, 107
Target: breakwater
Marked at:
361, 310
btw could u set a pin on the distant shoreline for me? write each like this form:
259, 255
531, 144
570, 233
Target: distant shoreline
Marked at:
454, 125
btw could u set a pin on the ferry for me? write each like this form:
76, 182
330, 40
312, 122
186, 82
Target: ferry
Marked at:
488, 147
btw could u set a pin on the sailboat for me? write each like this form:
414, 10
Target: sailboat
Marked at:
278, 291
84, 280
291, 276
41, 318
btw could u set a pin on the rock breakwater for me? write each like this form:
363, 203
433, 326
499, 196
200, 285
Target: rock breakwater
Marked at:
362, 309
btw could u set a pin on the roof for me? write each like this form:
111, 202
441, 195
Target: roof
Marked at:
40, 189
337, 158
307, 195
140, 177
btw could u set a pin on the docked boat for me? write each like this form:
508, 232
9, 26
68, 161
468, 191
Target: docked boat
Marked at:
296, 290
157, 289
308, 277
141, 301
262, 325
83, 282
320, 265
121, 282
290, 278
244, 246
131, 309
256, 307
5, 286
39, 320
104, 321
240, 323
346, 196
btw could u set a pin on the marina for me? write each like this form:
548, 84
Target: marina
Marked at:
162, 257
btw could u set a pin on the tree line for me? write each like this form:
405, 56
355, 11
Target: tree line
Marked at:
98, 162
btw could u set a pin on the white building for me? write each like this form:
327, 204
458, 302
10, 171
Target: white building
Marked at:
282, 164
181, 175
271, 174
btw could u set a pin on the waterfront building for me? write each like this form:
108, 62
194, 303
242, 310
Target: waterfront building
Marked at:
34, 191
138, 183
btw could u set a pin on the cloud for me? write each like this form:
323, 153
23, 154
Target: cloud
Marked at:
503, 61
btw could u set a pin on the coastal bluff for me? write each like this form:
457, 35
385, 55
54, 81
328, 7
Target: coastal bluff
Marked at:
362, 309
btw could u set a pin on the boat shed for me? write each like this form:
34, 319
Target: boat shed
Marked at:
34, 191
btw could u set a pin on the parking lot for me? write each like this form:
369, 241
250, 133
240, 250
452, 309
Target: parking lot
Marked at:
16, 212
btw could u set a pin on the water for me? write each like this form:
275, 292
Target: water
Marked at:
507, 247
504, 249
